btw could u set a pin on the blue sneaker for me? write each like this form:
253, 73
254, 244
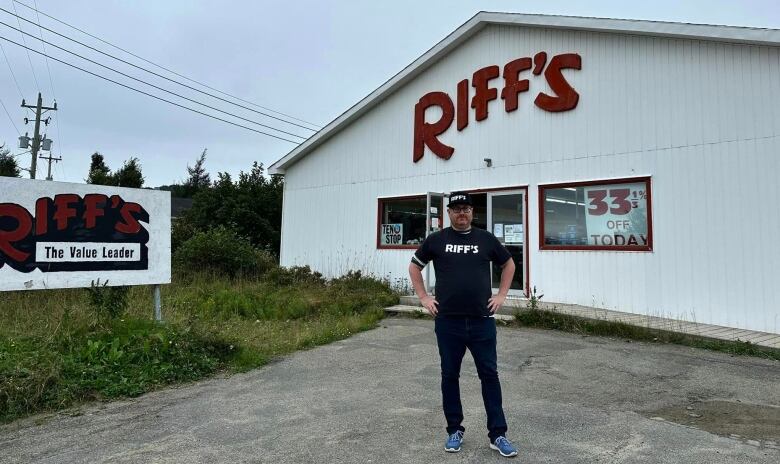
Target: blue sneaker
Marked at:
504, 446
453, 442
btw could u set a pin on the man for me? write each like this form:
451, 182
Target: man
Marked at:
463, 309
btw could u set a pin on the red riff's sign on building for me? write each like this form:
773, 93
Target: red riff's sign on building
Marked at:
565, 98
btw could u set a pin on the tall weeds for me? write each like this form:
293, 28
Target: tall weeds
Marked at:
55, 351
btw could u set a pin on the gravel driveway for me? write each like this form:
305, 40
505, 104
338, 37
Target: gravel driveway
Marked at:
375, 398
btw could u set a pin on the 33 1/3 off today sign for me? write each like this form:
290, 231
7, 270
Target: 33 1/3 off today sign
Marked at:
62, 235
617, 214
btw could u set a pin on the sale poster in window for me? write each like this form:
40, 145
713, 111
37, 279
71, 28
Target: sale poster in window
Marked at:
616, 215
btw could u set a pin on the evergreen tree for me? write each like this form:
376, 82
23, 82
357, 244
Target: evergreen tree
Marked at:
129, 175
177, 190
8, 165
99, 173
199, 178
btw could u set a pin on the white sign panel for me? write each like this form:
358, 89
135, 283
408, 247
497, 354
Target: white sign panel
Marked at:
62, 235
392, 234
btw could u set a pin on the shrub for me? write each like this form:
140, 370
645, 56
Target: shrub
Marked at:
533, 300
252, 204
287, 276
182, 230
356, 293
137, 355
297, 293
223, 251
105, 301
126, 358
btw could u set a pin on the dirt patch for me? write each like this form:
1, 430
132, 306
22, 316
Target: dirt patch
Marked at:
743, 421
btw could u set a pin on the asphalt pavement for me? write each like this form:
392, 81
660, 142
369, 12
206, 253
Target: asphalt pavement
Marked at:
375, 398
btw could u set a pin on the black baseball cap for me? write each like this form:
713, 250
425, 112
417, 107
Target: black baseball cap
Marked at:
459, 198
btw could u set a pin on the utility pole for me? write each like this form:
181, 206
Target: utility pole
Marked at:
50, 158
36, 140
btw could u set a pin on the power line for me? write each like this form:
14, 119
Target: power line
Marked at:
10, 118
163, 67
152, 85
149, 94
59, 136
51, 83
32, 68
21, 94
40, 31
153, 73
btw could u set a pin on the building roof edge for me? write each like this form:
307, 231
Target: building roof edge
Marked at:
733, 34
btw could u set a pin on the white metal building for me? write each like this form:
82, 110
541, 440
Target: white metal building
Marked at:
636, 170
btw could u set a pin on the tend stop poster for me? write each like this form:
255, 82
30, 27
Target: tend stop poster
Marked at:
63, 235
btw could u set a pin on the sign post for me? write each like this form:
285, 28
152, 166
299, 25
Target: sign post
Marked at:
157, 306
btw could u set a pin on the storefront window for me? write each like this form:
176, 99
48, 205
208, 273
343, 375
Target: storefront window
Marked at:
611, 215
401, 222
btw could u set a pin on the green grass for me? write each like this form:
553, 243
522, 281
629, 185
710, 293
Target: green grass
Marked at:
55, 351
546, 319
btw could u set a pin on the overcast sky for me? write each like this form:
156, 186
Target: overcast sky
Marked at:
311, 59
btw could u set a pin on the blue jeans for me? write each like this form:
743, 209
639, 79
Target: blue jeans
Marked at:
453, 336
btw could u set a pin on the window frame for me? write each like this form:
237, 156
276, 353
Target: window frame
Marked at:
380, 200
623, 180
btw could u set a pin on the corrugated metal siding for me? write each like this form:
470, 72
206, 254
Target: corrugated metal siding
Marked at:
702, 118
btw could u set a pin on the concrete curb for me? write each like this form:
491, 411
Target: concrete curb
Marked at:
406, 309
411, 305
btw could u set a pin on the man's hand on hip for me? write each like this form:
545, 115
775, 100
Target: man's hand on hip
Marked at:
495, 302
430, 304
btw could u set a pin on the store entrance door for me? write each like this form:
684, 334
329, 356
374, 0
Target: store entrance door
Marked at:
506, 220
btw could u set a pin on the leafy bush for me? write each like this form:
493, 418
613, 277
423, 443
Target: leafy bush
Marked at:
252, 204
56, 357
137, 355
127, 359
223, 251
181, 231
105, 301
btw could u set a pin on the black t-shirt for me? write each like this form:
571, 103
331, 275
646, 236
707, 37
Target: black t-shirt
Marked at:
462, 267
